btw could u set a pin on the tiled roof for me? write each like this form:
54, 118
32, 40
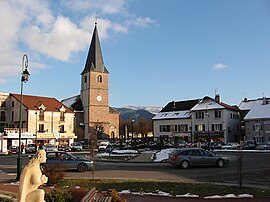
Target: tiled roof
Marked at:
32, 102
180, 105
113, 111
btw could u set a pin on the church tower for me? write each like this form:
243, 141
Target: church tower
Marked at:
95, 92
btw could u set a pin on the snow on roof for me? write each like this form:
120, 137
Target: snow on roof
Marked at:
69, 101
246, 105
259, 110
173, 115
207, 105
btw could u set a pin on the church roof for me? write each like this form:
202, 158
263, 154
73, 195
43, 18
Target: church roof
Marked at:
94, 61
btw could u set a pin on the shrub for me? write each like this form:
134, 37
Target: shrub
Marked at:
78, 194
54, 173
58, 196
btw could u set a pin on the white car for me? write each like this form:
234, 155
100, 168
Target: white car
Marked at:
76, 146
231, 145
103, 146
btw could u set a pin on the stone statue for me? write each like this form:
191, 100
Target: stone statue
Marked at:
31, 178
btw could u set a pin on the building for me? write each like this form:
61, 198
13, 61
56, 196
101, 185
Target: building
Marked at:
257, 119
174, 121
95, 119
44, 120
213, 120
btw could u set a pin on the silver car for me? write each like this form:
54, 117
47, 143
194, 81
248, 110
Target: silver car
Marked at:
187, 157
67, 161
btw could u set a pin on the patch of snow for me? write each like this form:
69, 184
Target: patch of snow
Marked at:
188, 195
163, 154
229, 196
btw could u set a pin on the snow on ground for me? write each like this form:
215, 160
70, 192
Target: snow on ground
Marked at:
188, 195
163, 154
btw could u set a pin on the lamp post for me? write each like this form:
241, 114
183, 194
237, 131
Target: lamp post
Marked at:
36, 131
24, 79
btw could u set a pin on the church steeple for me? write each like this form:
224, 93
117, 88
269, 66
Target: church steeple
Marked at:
94, 61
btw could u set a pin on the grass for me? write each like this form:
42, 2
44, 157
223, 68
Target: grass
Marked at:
153, 186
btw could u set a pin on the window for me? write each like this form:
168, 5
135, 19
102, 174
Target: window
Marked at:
99, 79
162, 115
85, 81
200, 115
61, 129
62, 116
257, 127
183, 128
12, 104
234, 116
41, 115
164, 128
217, 114
41, 128
12, 116
216, 127
3, 116
200, 127
3, 104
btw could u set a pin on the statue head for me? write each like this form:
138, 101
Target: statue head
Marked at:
39, 157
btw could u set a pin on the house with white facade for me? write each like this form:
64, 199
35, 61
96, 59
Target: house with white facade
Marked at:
257, 119
213, 120
174, 121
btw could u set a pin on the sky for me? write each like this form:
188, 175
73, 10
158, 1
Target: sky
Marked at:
156, 51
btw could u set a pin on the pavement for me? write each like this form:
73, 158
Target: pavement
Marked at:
9, 188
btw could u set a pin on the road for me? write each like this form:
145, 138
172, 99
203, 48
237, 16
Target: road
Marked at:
255, 170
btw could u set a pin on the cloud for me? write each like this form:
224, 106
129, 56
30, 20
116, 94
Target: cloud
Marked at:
99, 7
60, 42
219, 66
56, 29
144, 22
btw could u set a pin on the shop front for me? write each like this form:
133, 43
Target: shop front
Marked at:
12, 139
66, 138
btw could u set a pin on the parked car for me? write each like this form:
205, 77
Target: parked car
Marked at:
50, 147
103, 145
66, 161
30, 148
263, 146
231, 145
13, 150
76, 146
248, 145
64, 147
187, 157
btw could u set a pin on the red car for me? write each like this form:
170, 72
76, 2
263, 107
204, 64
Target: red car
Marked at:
13, 150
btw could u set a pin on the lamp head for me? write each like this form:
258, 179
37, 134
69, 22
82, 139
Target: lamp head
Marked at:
25, 75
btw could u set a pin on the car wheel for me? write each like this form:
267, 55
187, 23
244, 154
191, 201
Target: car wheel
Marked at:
220, 163
82, 167
184, 164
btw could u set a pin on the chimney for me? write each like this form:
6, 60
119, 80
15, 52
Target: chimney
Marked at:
265, 101
217, 98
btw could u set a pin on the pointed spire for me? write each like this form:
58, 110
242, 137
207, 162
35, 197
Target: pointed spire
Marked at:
94, 61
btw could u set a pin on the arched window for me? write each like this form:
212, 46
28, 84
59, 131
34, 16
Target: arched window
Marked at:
99, 79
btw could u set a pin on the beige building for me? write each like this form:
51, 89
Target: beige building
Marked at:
95, 119
44, 120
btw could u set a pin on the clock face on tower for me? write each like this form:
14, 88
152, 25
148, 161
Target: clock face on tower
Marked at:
99, 98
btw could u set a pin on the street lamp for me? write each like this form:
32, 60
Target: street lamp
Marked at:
24, 79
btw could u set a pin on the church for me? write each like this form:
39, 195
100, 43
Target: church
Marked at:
94, 118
